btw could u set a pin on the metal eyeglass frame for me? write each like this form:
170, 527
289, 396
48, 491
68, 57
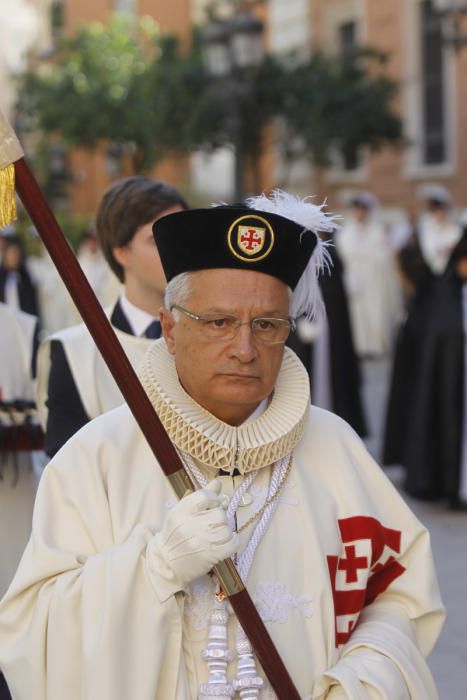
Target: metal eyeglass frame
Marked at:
198, 317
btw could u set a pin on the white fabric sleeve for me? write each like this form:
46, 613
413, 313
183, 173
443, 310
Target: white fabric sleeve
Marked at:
81, 619
384, 658
381, 661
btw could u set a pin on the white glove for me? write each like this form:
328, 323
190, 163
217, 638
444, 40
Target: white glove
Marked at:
194, 537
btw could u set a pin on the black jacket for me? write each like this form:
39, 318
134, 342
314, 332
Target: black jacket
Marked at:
66, 413
26, 290
344, 365
424, 417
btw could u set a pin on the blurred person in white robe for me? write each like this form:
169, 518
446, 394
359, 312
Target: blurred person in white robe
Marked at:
55, 303
104, 283
18, 427
370, 277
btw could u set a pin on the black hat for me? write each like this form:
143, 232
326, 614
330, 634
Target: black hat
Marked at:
233, 237
244, 237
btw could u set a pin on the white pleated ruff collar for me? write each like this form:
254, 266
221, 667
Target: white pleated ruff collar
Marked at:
210, 441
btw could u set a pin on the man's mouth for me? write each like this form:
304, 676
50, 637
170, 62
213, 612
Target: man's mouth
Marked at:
239, 375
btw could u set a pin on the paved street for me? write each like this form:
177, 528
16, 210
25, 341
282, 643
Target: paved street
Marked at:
449, 538
17, 493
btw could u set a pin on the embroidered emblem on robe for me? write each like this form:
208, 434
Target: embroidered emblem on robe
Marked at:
366, 568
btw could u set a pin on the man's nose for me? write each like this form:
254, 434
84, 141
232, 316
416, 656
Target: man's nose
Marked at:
243, 345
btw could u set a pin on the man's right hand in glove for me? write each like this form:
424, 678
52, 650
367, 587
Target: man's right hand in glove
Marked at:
194, 537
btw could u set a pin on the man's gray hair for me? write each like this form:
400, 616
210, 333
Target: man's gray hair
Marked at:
178, 289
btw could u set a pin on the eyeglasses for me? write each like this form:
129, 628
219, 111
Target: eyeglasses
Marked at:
269, 331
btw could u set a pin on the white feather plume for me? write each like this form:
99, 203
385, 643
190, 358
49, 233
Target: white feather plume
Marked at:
306, 298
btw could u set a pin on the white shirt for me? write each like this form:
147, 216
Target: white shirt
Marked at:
138, 319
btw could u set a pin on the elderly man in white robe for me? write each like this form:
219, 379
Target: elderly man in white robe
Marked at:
113, 597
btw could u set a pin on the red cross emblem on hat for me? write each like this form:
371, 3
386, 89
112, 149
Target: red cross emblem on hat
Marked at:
250, 239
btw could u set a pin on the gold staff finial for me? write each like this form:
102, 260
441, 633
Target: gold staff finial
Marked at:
10, 151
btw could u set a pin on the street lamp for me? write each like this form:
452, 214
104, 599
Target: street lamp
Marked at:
451, 13
231, 47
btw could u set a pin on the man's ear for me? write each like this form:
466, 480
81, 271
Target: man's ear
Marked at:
121, 254
168, 326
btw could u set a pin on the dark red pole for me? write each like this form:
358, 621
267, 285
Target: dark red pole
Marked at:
143, 411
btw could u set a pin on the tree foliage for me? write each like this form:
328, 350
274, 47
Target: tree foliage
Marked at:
129, 85
339, 105
95, 88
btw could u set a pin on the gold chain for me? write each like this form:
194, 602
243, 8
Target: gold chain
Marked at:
269, 500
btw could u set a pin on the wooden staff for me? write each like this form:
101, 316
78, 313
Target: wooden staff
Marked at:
143, 411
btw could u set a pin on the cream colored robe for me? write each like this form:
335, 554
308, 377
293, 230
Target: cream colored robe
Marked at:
16, 499
96, 386
17, 336
87, 617
372, 286
56, 306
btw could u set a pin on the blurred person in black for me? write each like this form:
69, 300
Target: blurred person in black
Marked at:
425, 414
435, 455
327, 350
422, 262
431, 239
17, 289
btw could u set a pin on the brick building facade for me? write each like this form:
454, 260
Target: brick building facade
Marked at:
432, 100
92, 172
